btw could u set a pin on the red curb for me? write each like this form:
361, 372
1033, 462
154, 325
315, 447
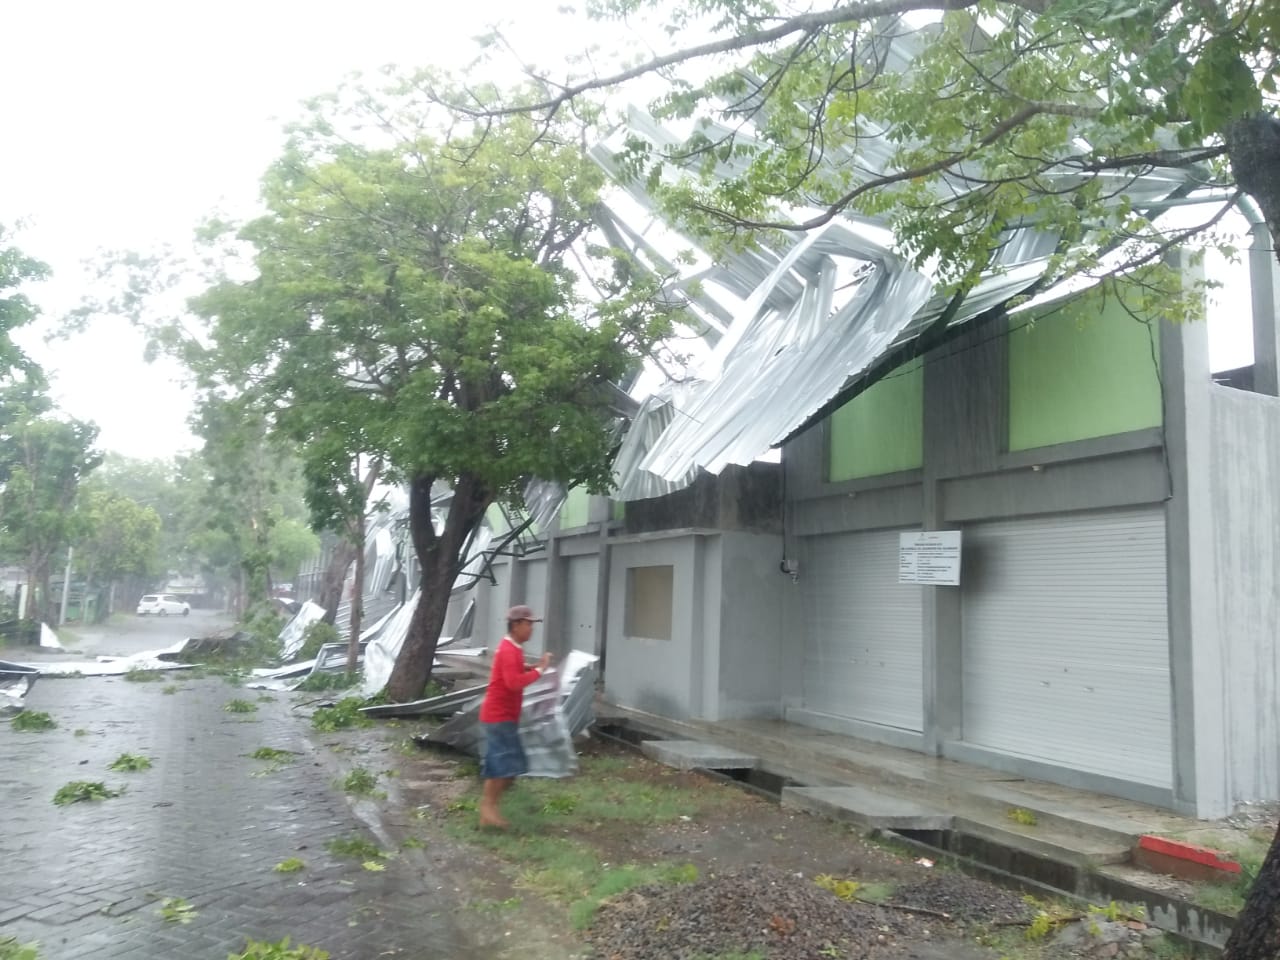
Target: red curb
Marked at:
1213, 859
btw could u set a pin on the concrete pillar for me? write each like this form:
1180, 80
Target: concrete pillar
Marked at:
554, 603
602, 598
1264, 284
1195, 655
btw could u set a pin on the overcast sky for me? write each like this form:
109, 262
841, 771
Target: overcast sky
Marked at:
126, 122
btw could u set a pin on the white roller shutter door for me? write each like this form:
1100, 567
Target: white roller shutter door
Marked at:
863, 631
1066, 642
580, 603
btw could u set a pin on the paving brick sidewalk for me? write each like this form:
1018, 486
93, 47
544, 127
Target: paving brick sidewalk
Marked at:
206, 823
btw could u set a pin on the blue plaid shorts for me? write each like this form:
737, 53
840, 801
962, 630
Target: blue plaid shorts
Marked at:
504, 755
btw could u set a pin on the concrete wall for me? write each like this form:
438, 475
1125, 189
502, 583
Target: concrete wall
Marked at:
728, 626
740, 498
658, 676
1245, 480
753, 631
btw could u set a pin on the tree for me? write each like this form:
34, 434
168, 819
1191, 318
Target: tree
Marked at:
120, 539
16, 309
174, 489
338, 498
252, 500
437, 290
52, 457
957, 119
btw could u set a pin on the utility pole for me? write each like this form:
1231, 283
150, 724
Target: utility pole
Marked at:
66, 588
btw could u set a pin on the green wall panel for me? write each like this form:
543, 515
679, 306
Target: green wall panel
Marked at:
1079, 372
574, 513
881, 430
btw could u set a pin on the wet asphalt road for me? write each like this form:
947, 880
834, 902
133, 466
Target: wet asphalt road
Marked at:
207, 823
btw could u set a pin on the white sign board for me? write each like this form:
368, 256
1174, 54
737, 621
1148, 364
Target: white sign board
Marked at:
930, 557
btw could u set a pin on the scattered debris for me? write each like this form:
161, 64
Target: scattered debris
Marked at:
924, 862
442, 705
294, 632
557, 707
761, 909
114, 666
16, 681
48, 639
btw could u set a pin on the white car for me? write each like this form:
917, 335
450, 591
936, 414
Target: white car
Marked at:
162, 604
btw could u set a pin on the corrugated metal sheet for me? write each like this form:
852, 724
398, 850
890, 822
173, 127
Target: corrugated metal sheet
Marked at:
782, 337
1066, 642
863, 631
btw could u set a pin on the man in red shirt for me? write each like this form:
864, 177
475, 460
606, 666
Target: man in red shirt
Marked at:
504, 758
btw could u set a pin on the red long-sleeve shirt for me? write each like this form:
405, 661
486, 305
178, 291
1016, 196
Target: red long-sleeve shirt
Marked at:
507, 680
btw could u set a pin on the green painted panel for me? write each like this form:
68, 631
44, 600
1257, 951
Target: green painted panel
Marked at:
575, 511
881, 430
1082, 371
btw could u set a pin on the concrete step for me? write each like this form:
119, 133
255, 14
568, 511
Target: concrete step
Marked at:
697, 755
866, 808
1081, 848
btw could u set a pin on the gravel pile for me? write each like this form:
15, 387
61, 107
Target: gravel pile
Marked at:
784, 916
965, 899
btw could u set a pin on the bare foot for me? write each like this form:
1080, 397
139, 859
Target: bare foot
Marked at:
493, 820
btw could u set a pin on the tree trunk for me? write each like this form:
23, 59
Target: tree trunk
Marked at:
357, 609
48, 612
413, 666
1253, 145
1256, 935
333, 579
439, 559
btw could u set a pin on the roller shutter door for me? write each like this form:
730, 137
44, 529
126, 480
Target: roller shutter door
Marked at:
1066, 642
580, 603
863, 631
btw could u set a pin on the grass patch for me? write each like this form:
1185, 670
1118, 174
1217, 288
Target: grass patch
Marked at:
170, 689
11, 949
138, 675
266, 698
1167, 948
355, 848
81, 732
332, 680
81, 791
564, 870
281, 950
604, 765
272, 754
1230, 897
292, 865
130, 763
343, 715
33, 720
466, 770
360, 781
240, 706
